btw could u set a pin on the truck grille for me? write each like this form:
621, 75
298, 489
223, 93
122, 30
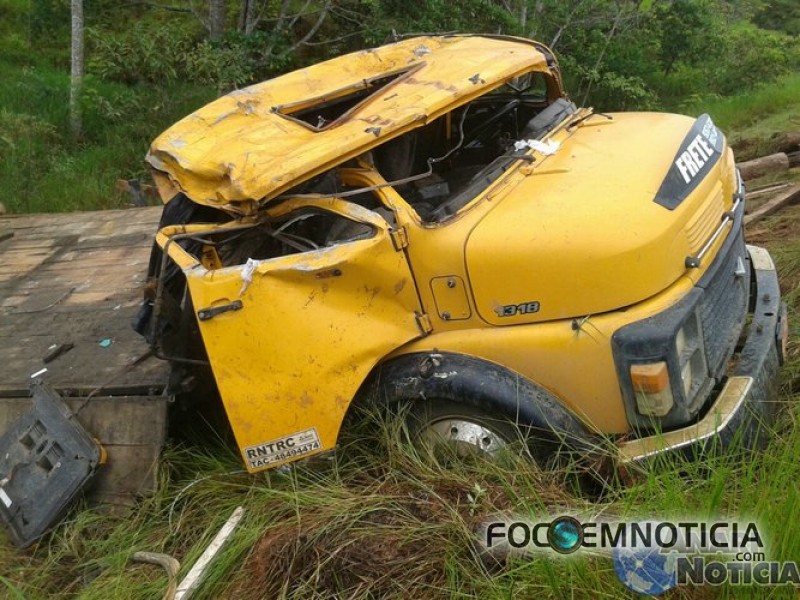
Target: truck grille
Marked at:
724, 305
703, 224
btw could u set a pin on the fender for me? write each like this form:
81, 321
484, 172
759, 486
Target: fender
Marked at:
482, 384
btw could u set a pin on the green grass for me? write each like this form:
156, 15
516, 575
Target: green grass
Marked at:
378, 521
753, 117
42, 169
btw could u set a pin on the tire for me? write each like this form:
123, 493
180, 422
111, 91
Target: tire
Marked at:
460, 430
427, 388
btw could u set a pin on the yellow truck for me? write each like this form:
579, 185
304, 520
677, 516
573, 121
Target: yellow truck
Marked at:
434, 223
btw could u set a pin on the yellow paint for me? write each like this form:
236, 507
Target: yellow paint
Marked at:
587, 237
237, 151
577, 366
589, 253
451, 298
294, 356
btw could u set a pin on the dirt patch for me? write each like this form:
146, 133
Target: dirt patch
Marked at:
386, 549
783, 227
754, 147
398, 542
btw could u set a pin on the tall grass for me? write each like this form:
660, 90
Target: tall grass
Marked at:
753, 117
777, 100
43, 169
381, 520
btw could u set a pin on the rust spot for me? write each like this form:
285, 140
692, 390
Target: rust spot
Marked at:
311, 297
436, 84
377, 121
372, 291
305, 401
399, 286
329, 273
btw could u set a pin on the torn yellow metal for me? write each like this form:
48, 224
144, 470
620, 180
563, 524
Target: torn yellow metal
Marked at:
277, 378
245, 147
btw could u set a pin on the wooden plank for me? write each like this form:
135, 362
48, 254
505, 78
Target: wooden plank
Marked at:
769, 189
129, 471
76, 279
784, 199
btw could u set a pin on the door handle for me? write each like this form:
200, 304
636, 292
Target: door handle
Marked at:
204, 314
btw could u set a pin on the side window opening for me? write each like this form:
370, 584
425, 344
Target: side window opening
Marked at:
321, 113
303, 230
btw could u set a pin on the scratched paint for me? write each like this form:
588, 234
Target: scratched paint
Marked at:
238, 150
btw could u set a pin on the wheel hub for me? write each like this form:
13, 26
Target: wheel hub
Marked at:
467, 437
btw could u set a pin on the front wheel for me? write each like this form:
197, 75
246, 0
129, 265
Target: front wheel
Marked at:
461, 430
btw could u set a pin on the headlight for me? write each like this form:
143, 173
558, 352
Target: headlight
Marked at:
652, 388
662, 366
691, 359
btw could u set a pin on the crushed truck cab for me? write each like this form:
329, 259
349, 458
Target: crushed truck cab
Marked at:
434, 223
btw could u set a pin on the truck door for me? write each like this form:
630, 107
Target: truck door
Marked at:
291, 338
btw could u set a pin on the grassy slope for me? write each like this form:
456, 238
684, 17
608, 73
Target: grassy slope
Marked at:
42, 169
754, 116
377, 522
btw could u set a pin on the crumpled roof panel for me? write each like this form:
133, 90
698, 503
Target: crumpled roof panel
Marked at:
239, 148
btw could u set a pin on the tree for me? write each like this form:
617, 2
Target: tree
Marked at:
247, 17
216, 19
76, 69
688, 32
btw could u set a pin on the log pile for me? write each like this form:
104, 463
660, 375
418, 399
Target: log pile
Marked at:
781, 194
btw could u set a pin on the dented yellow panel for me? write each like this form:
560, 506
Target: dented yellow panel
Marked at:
239, 149
311, 327
561, 356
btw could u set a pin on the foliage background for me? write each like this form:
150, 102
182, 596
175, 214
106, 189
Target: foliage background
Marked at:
151, 62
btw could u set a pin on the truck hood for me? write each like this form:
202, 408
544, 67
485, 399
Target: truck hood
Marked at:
606, 221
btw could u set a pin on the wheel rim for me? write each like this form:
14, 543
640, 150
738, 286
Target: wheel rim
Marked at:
463, 435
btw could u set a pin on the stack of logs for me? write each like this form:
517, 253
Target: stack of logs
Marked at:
778, 194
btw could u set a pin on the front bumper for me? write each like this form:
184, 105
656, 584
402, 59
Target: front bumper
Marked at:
746, 405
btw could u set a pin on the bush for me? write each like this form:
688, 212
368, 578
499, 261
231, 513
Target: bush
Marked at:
753, 56
140, 54
607, 89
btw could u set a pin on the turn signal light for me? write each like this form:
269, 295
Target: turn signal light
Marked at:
652, 389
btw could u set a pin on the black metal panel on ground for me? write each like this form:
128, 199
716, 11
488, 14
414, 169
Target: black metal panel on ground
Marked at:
46, 458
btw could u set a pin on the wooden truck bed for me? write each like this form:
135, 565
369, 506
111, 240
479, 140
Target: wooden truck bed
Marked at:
72, 283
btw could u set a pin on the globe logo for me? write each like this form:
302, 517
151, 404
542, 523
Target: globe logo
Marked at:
645, 570
565, 535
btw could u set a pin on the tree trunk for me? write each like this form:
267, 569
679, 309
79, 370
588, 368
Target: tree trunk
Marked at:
787, 142
247, 19
76, 70
216, 19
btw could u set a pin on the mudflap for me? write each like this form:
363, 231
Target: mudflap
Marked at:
46, 459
